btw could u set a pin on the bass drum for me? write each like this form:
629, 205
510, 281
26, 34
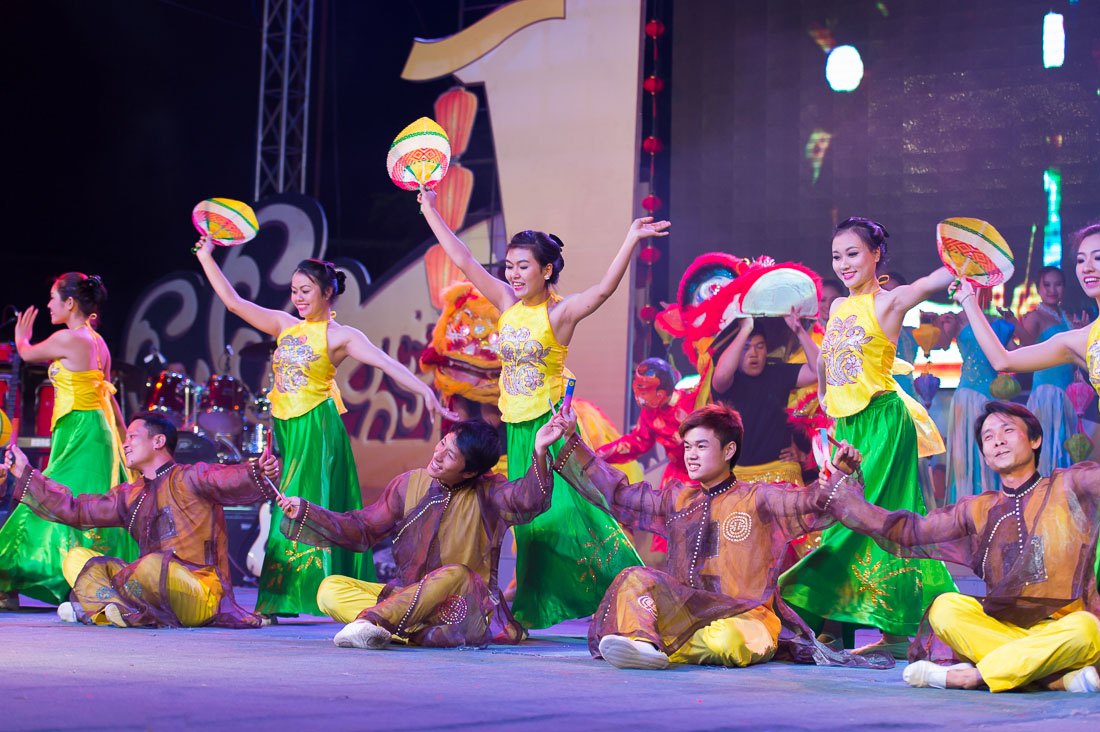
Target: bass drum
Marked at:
222, 408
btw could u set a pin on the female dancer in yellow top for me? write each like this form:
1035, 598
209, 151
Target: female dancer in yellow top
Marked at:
848, 577
85, 449
567, 557
305, 402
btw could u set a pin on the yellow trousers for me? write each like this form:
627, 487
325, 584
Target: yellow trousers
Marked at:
343, 598
1008, 656
748, 638
193, 596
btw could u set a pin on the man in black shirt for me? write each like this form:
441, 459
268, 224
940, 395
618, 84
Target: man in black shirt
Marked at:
744, 380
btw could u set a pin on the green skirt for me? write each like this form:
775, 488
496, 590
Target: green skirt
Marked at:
318, 466
850, 578
31, 549
567, 557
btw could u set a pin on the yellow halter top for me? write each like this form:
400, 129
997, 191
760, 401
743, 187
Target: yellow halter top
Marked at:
532, 362
1092, 355
304, 375
858, 357
81, 391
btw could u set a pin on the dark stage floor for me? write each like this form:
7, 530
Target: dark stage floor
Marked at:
60, 676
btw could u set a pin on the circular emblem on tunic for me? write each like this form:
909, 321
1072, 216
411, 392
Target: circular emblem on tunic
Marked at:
133, 587
104, 593
453, 609
648, 605
736, 526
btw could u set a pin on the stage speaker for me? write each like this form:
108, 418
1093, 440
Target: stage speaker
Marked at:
244, 526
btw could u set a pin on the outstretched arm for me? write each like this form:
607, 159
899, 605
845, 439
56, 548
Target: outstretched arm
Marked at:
576, 308
356, 531
906, 297
55, 502
272, 322
359, 347
726, 368
60, 344
492, 288
1058, 350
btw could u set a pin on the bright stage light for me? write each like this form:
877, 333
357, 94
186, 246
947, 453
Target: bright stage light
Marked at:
1054, 40
844, 68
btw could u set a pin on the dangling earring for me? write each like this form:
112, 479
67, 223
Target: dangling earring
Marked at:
547, 278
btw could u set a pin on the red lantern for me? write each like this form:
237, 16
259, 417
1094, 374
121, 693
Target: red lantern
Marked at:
654, 28
651, 203
442, 273
455, 110
454, 195
653, 84
647, 313
649, 254
652, 145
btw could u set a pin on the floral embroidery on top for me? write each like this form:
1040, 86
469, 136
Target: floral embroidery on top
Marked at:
291, 363
1094, 364
842, 351
520, 360
55, 369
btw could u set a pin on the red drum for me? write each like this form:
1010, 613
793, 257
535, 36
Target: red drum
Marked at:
169, 394
222, 407
43, 413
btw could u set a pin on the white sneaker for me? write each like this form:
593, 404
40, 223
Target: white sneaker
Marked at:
925, 674
114, 615
66, 612
362, 634
623, 652
1083, 680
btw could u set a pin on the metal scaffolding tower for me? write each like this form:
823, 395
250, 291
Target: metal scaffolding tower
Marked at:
282, 129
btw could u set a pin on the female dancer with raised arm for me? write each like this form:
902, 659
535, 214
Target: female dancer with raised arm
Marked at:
305, 402
85, 449
536, 325
849, 578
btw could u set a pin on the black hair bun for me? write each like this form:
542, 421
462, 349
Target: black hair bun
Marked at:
341, 279
557, 240
92, 290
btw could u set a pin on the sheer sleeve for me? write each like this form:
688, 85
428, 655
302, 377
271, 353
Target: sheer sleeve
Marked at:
637, 505
1083, 480
55, 502
946, 533
520, 501
799, 510
356, 531
229, 485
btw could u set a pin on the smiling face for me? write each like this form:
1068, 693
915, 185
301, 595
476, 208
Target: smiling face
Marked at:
1088, 265
853, 260
448, 464
1051, 288
141, 446
1005, 444
59, 309
755, 356
523, 273
308, 297
707, 462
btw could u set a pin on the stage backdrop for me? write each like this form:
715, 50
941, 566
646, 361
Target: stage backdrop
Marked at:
955, 116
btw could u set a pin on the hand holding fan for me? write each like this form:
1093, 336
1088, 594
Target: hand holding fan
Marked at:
974, 251
224, 221
419, 155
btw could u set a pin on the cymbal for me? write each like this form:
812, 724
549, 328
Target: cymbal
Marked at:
257, 351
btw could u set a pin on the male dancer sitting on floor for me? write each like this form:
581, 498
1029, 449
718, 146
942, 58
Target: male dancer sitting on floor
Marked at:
448, 521
1033, 542
717, 604
175, 514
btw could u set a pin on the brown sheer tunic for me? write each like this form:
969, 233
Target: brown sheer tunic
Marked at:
725, 545
177, 516
1034, 547
446, 545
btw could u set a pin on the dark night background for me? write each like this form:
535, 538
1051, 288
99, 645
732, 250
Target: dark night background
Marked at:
122, 114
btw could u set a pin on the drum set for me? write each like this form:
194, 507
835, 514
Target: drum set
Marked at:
219, 420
